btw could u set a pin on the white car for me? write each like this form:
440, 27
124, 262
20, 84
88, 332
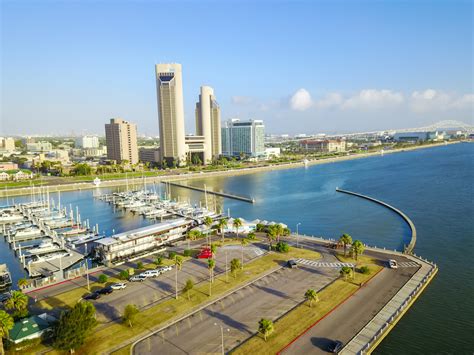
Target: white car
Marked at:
119, 286
150, 273
140, 278
393, 264
164, 269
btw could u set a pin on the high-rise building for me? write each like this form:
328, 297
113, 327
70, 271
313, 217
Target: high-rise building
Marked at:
87, 142
121, 138
243, 138
7, 144
169, 89
208, 123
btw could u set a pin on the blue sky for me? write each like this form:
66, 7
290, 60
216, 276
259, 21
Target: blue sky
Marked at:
302, 66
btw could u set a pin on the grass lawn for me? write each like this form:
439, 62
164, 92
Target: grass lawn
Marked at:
101, 339
301, 317
26, 183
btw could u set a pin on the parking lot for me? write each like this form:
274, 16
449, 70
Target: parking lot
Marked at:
238, 313
155, 289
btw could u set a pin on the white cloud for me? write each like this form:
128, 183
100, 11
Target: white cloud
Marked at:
242, 100
432, 100
373, 99
301, 100
330, 100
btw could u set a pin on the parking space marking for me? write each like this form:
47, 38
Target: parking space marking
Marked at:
323, 264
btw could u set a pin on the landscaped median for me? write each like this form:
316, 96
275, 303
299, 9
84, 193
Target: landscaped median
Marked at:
302, 317
113, 335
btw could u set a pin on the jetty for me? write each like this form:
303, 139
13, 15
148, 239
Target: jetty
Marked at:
409, 248
217, 193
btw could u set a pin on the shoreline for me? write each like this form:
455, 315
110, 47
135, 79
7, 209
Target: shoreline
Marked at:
74, 186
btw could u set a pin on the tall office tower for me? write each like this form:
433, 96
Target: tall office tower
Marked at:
169, 90
208, 123
247, 138
121, 139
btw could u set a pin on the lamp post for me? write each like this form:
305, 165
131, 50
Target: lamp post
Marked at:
222, 336
297, 234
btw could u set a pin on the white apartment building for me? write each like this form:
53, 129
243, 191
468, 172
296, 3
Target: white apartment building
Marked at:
87, 142
243, 138
7, 144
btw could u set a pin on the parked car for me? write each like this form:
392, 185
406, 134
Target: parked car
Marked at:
140, 278
291, 264
92, 296
106, 290
151, 273
119, 286
335, 346
165, 268
392, 264
205, 254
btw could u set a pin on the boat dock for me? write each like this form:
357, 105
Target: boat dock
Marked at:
217, 193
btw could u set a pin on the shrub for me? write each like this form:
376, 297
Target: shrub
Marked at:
251, 235
364, 270
158, 260
123, 275
140, 266
171, 255
282, 247
187, 252
103, 278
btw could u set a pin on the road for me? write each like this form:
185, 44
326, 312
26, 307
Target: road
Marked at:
349, 318
238, 313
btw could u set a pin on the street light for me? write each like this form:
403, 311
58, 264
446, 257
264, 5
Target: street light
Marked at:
297, 234
222, 336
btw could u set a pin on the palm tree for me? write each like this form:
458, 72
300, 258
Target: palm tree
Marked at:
211, 263
18, 302
22, 283
243, 243
208, 223
178, 263
345, 239
6, 323
237, 224
345, 271
221, 225
357, 249
188, 286
265, 326
192, 235
279, 230
234, 266
271, 235
311, 296
213, 250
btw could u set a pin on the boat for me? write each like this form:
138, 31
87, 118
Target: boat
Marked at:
74, 231
5, 276
27, 232
43, 247
10, 218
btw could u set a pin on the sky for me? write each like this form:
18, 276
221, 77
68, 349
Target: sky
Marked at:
301, 66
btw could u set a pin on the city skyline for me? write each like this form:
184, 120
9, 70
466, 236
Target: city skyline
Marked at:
346, 67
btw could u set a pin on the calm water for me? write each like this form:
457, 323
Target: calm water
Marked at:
433, 186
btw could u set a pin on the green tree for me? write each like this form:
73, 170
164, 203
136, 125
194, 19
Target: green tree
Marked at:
178, 262
234, 266
243, 243
192, 235
172, 255
123, 275
311, 296
188, 286
102, 278
252, 236
18, 303
345, 272
279, 230
222, 224
271, 235
158, 261
129, 314
213, 250
140, 266
265, 327
211, 264
282, 247
237, 224
74, 326
345, 239
6, 324
81, 169
357, 249
22, 283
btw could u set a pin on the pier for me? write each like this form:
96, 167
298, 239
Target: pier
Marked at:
217, 193
409, 248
